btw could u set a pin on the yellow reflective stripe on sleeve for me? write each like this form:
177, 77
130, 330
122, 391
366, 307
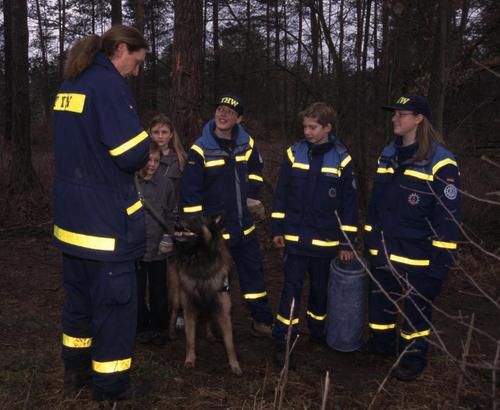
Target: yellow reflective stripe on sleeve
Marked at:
442, 163
197, 149
114, 366
255, 177
317, 242
373, 252
214, 163
278, 215
419, 175
292, 238
251, 142
76, 342
368, 228
327, 170
190, 209
309, 313
249, 230
381, 170
290, 155
85, 241
131, 143
226, 236
445, 245
345, 161
287, 321
245, 157
69, 102
131, 209
252, 296
300, 165
378, 326
408, 261
349, 228
409, 336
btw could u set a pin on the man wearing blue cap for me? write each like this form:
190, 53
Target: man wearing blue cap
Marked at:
223, 175
411, 229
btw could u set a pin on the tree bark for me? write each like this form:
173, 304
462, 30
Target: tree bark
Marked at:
7, 18
45, 66
116, 12
22, 174
62, 23
187, 68
138, 82
215, 23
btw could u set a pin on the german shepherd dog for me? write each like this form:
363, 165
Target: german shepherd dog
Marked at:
199, 282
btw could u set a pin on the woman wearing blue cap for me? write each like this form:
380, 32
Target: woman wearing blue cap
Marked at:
410, 232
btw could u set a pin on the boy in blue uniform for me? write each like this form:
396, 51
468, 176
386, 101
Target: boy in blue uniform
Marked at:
315, 181
414, 201
223, 176
98, 219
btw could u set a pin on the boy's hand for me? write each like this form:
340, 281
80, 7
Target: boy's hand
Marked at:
345, 256
256, 209
279, 241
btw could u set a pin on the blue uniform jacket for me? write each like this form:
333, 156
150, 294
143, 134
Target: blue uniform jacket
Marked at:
218, 181
314, 182
414, 204
98, 145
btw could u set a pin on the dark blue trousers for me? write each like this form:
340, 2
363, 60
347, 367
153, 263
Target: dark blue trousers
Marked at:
153, 277
248, 261
416, 306
99, 321
296, 267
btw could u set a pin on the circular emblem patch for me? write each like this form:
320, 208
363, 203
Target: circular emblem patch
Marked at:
413, 198
450, 191
332, 192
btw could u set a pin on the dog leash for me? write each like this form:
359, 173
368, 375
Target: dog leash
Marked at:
150, 207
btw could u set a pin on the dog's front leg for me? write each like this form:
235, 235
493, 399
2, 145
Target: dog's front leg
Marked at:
190, 318
223, 317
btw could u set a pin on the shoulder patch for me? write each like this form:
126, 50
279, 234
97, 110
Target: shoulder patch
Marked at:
450, 192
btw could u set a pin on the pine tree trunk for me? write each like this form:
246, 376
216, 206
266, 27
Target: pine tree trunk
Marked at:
187, 68
116, 12
7, 18
21, 169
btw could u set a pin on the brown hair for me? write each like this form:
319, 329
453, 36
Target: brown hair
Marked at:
153, 147
175, 141
426, 135
82, 54
322, 112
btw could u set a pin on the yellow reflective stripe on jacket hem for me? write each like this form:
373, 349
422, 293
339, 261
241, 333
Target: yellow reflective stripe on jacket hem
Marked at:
419, 175
71, 102
309, 313
85, 241
345, 161
255, 177
368, 228
300, 165
286, 321
349, 228
292, 238
278, 215
445, 245
442, 163
408, 261
409, 336
214, 163
197, 149
76, 342
327, 170
378, 326
254, 295
317, 242
131, 143
196, 208
373, 252
249, 230
385, 171
131, 209
114, 366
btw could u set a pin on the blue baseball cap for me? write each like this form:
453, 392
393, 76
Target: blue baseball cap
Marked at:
232, 102
411, 102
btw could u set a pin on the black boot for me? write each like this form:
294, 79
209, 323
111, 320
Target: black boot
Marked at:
75, 380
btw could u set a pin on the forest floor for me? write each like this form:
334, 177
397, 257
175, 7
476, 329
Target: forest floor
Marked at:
31, 371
